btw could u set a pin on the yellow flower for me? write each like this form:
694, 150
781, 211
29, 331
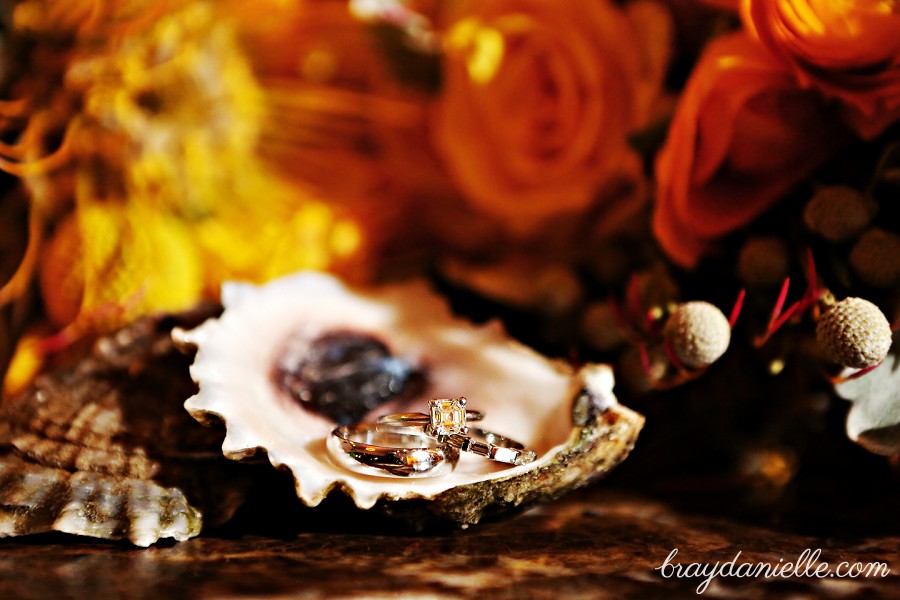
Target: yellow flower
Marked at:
156, 179
146, 135
108, 263
265, 234
174, 112
25, 364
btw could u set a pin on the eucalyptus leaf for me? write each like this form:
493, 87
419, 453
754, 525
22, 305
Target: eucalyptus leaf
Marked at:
874, 419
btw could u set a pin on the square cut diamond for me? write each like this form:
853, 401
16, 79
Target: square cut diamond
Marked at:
448, 416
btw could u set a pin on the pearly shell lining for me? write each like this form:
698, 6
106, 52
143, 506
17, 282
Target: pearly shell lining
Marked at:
524, 395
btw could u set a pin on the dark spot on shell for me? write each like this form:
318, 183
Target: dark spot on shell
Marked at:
588, 406
93, 512
345, 374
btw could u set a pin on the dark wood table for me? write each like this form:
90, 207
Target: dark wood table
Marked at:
597, 543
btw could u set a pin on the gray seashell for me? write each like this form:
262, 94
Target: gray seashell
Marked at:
105, 449
36, 499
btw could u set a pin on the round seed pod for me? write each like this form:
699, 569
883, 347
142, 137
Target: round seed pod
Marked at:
637, 377
875, 258
854, 333
600, 328
838, 213
891, 176
558, 290
698, 333
763, 262
656, 288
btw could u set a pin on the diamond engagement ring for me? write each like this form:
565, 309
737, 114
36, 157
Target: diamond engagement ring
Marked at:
382, 451
448, 417
447, 424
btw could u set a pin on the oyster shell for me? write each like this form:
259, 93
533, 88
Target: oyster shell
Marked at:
105, 449
569, 417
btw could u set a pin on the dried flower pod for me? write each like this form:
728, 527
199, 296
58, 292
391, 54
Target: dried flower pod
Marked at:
763, 262
655, 288
891, 176
639, 374
559, 290
698, 333
611, 262
875, 258
839, 213
854, 333
600, 327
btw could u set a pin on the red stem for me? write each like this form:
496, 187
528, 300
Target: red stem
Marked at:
812, 287
633, 304
645, 362
779, 304
670, 354
736, 309
856, 374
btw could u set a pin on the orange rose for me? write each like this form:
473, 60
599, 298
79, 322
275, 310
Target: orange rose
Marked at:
728, 5
742, 135
848, 49
536, 102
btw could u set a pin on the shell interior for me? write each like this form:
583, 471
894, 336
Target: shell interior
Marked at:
525, 396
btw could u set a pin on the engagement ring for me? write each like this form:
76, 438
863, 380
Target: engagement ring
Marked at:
447, 423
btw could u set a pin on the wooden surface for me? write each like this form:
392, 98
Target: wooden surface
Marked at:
598, 543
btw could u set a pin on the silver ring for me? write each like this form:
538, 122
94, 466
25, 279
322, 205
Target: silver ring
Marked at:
377, 450
491, 445
448, 416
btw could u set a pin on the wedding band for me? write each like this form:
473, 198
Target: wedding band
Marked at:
377, 450
491, 445
448, 417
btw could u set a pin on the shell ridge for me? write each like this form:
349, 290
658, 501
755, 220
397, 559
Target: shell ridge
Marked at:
526, 395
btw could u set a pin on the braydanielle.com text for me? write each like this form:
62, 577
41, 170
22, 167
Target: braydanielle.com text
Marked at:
806, 565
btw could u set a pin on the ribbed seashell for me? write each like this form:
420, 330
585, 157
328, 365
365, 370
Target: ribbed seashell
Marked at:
105, 449
568, 416
35, 498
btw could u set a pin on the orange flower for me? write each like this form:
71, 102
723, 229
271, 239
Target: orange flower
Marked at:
742, 135
536, 101
727, 5
848, 49
337, 118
